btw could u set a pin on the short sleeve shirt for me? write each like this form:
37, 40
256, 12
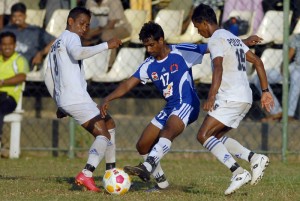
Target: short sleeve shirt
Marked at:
9, 68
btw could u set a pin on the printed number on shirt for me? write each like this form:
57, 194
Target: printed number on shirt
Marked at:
240, 54
168, 87
55, 64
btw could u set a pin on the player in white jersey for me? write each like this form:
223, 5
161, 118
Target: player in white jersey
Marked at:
65, 82
229, 98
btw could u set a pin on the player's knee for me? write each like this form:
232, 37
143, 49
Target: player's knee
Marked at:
110, 124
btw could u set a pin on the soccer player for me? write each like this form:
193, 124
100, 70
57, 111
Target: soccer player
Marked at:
169, 69
229, 98
65, 82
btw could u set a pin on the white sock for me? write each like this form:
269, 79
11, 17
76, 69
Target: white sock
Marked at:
217, 148
157, 173
97, 150
235, 148
110, 154
161, 148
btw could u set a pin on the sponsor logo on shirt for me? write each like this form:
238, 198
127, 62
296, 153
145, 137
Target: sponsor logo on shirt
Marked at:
163, 70
154, 76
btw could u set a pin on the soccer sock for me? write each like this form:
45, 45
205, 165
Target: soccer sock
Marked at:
110, 154
235, 148
216, 147
158, 151
96, 153
158, 174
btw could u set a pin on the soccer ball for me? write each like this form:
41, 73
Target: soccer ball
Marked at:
116, 181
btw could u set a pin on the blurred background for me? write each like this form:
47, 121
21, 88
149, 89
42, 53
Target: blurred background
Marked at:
277, 22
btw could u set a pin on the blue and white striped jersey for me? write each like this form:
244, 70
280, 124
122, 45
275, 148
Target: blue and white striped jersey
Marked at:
172, 76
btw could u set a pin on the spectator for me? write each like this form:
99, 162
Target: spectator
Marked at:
254, 6
13, 69
294, 91
5, 6
53, 5
116, 24
33, 42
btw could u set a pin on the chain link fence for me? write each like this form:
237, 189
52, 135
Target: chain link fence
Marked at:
41, 132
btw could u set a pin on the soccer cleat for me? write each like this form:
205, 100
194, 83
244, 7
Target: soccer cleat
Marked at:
258, 167
139, 170
238, 181
88, 182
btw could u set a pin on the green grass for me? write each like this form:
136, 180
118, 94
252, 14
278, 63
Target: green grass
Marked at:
192, 177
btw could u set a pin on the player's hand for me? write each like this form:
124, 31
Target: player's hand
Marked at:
60, 114
209, 104
267, 101
103, 108
252, 40
114, 43
37, 59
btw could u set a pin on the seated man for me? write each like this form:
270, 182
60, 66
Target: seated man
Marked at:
33, 42
13, 69
294, 89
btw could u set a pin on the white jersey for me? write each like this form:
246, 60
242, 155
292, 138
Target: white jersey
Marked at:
234, 85
68, 86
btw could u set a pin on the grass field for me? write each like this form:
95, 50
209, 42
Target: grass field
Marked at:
192, 177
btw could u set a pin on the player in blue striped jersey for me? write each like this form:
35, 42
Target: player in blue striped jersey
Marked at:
169, 69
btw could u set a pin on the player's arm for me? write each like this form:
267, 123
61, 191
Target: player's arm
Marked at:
215, 85
120, 91
252, 40
267, 101
78, 52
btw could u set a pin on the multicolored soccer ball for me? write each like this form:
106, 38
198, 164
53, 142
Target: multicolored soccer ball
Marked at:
116, 181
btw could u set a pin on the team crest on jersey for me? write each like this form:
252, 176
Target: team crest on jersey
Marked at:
174, 68
154, 76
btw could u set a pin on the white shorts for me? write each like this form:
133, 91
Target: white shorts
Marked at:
230, 113
81, 112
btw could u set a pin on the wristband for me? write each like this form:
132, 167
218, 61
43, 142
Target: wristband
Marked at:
265, 90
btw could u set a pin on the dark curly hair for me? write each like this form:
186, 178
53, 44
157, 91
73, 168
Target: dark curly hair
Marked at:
151, 29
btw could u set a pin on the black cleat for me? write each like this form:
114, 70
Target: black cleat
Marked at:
139, 170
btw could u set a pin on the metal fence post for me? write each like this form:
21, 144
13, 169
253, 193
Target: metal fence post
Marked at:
72, 137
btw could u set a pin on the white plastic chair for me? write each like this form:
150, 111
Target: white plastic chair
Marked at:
297, 28
96, 65
15, 119
203, 72
58, 22
136, 18
35, 17
271, 27
126, 63
37, 75
170, 21
191, 35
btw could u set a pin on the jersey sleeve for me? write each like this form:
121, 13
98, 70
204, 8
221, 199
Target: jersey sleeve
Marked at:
78, 52
22, 64
216, 47
192, 53
141, 72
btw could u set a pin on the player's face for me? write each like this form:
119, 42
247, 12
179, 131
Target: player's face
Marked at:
18, 18
153, 47
7, 46
203, 29
80, 25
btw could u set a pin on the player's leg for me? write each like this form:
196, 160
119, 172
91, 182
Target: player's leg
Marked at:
294, 89
144, 145
88, 116
110, 154
175, 124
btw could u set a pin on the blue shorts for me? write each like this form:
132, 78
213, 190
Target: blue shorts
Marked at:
186, 112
